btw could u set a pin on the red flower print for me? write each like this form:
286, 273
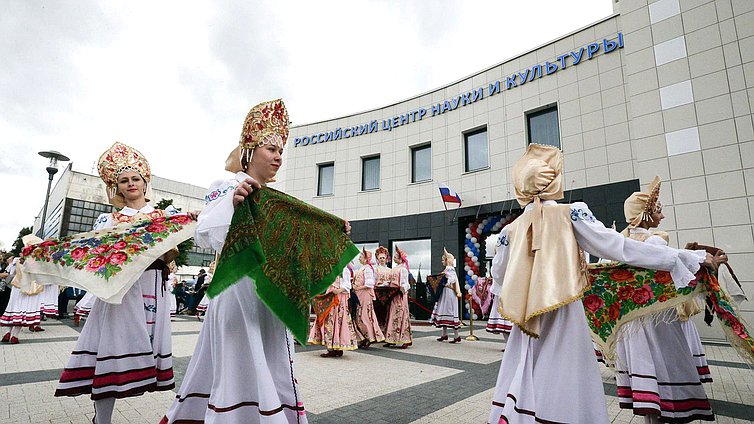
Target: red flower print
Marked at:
79, 253
596, 323
102, 248
181, 219
156, 228
663, 277
27, 250
593, 302
642, 295
117, 258
96, 263
614, 311
48, 243
622, 275
662, 298
625, 292
158, 220
120, 245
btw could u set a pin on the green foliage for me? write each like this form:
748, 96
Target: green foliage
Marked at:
183, 248
18, 245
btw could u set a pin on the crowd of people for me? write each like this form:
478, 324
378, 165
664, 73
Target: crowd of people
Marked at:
243, 367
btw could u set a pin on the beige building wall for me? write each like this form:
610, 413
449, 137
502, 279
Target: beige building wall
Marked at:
676, 102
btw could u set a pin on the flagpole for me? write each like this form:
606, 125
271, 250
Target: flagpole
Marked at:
471, 337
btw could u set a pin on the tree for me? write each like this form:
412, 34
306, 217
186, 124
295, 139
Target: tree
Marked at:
18, 245
183, 248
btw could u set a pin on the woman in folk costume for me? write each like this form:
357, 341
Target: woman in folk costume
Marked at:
201, 308
445, 312
170, 285
48, 302
337, 333
83, 307
242, 370
383, 274
366, 318
23, 308
124, 350
655, 371
398, 329
548, 372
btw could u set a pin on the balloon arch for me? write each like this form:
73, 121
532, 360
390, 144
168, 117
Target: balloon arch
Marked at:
476, 234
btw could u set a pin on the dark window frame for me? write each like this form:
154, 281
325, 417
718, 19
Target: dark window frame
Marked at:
320, 167
413, 150
364, 160
539, 112
466, 135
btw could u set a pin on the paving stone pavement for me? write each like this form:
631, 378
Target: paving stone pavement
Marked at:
430, 382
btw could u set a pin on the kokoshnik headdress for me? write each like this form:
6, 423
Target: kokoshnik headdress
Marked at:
117, 159
382, 250
400, 253
266, 123
449, 258
641, 205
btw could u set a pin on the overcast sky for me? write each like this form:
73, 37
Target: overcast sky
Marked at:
176, 78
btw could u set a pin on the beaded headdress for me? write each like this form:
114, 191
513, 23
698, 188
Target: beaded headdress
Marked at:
266, 123
117, 159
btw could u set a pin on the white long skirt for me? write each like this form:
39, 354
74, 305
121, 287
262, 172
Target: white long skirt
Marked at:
552, 378
496, 324
48, 300
242, 370
84, 306
445, 312
697, 350
203, 304
655, 374
173, 304
22, 310
124, 350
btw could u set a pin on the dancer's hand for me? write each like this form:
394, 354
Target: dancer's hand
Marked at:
347, 228
194, 214
245, 188
709, 261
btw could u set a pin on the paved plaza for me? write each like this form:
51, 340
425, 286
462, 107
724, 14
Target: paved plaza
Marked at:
429, 383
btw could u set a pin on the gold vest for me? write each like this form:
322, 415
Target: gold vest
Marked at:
553, 277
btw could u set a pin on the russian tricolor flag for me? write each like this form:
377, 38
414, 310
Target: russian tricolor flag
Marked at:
448, 195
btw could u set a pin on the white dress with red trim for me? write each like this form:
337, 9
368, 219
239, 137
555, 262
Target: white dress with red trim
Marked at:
124, 350
22, 310
496, 324
84, 306
48, 301
554, 378
655, 371
242, 370
445, 312
172, 279
697, 350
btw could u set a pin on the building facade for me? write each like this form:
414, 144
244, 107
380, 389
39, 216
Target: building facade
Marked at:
77, 199
658, 88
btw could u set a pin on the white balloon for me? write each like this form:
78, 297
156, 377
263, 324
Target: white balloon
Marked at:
476, 316
466, 249
469, 253
470, 272
474, 277
477, 245
466, 268
474, 258
485, 221
468, 287
473, 239
468, 236
468, 231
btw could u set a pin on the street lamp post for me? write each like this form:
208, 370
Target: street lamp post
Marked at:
52, 169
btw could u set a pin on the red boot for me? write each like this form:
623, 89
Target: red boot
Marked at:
6, 337
14, 340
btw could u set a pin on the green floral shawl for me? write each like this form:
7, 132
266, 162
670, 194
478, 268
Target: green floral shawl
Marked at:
292, 250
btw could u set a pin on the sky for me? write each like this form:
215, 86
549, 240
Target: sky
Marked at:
175, 79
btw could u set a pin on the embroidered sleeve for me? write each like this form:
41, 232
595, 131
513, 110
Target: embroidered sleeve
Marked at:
171, 210
579, 211
502, 240
500, 262
219, 193
103, 221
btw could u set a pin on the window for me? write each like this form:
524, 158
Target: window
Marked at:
542, 126
370, 173
421, 163
476, 150
326, 174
